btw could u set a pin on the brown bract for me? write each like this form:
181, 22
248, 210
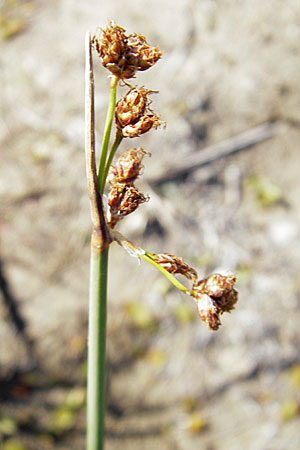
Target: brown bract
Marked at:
124, 54
133, 114
215, 295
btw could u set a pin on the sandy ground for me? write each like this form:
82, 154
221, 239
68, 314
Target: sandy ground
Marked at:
228, 67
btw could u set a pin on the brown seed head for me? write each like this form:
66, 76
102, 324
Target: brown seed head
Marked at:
141, 53
128, 166
123, 55
111, 45
133, 115
215, 295
123, 199
132, 106
174, 265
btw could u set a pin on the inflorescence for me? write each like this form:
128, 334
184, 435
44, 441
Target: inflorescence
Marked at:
123, 55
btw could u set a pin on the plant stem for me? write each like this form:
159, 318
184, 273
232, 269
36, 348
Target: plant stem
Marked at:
113, 150
98, 269
97, 350
107, 130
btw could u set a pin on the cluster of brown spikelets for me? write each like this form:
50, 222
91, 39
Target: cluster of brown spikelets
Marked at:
133, 115
124, 197
214, 295
123, 55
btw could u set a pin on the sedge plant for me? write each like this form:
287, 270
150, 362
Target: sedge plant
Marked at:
123, 55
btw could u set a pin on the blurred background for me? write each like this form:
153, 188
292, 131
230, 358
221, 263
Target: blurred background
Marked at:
229, 76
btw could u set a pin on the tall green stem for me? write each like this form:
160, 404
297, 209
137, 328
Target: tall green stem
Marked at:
97, 350
98, 265
107, 130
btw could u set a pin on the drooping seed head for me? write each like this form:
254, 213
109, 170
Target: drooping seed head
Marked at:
214, 296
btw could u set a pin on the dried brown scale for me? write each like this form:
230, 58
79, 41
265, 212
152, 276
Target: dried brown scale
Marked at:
227, 301
128, 166
141, 126
208, 312
216, 285
123, 55
175, 265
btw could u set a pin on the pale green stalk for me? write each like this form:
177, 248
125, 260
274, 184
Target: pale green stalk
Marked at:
107, 130
147, 256
96, 373
112, 152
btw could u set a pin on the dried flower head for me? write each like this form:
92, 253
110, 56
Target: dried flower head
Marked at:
128, 166
123, 55
174, 265
123, 199
141, 53
133, 114
215, 295
141, 126
132, 106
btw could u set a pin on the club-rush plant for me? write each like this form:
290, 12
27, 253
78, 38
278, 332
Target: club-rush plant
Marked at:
123, 55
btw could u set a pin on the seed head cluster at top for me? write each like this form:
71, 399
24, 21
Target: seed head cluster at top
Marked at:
123, 55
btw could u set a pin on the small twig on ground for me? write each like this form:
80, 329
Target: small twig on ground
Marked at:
213, 152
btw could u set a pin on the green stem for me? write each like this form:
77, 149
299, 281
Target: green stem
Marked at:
97, 350
113, 150
107, 128
147, 256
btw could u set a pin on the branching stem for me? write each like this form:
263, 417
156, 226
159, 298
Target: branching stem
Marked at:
147, 256
117, 141
107, 130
